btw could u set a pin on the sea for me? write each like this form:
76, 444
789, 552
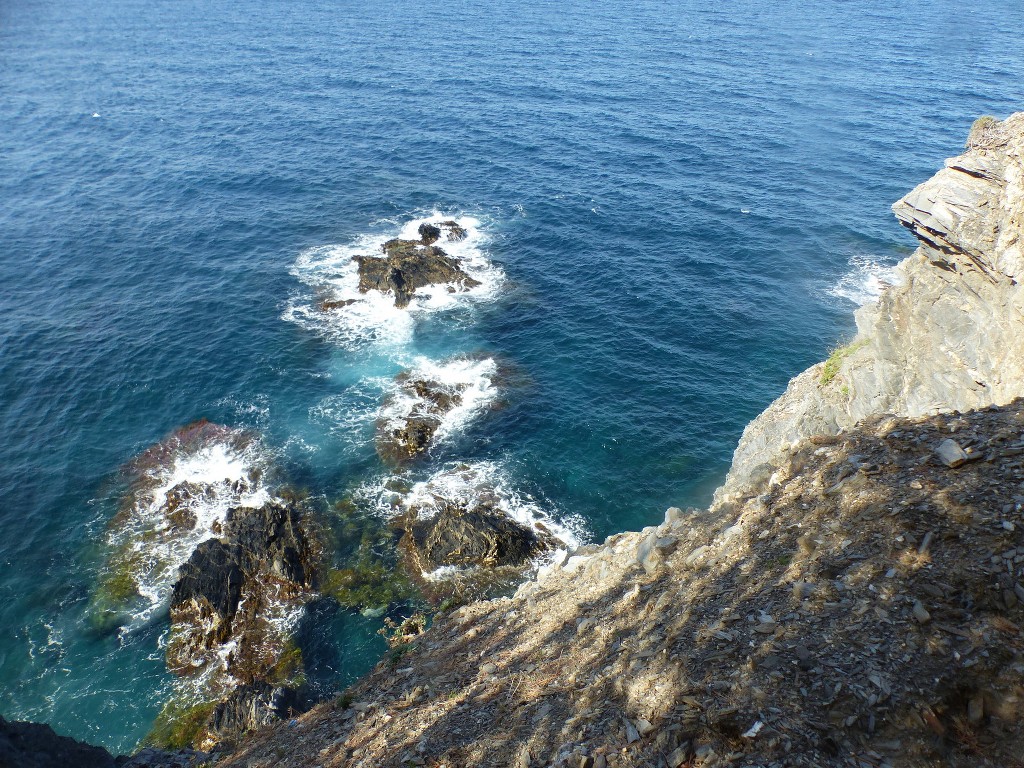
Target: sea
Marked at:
671, 208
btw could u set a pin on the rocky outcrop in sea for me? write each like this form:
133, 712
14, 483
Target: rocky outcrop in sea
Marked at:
231, 604
199, 531
411, 264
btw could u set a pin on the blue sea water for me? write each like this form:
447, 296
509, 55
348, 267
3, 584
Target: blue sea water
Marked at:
680, 199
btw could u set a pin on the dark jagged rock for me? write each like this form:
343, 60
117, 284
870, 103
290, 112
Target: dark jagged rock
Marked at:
461, 536
249, 708
210, 584
228, 586
33, 745
455, 232
406, 266
429, 233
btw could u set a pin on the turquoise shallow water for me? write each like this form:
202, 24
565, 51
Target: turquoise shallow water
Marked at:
681, 200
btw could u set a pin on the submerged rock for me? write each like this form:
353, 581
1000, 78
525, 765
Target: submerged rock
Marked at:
326, 305
408, 265
233, 594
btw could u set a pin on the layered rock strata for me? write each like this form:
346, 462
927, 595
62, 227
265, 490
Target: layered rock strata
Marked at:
950, 336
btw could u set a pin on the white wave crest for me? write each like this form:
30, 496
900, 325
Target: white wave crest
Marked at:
866, 280
339, 311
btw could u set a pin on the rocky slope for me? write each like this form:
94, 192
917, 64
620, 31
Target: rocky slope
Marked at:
866, 610
854, 597
949, 337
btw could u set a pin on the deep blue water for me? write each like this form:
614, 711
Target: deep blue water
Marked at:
672, 191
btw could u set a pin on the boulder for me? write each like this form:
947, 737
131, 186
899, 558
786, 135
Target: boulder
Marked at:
406, 266
177, 504
478, 536
429, 233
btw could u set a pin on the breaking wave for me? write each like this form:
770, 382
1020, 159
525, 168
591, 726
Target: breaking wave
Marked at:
468, 382
866, 280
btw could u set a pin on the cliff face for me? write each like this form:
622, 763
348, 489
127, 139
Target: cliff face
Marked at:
950, 336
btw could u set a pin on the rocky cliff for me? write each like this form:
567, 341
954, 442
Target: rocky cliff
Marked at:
854, 596
949, 336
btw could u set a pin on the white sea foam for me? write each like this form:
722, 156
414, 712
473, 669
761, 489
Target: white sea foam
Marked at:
223, 471
468, 485
866, 281
471, 380
373, 317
